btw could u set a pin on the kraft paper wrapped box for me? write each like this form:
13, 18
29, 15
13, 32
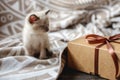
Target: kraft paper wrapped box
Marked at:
81, 56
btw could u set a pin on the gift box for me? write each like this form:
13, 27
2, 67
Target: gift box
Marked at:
97, 55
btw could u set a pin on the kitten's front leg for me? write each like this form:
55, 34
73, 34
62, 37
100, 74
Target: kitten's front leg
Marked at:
48, 51
26, 52
43, 54
29, 51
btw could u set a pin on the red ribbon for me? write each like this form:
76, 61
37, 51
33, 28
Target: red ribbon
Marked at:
95, 39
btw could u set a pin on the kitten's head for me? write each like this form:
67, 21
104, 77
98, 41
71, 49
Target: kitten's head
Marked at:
39, 20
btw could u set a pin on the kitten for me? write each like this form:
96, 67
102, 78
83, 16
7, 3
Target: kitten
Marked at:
35, 37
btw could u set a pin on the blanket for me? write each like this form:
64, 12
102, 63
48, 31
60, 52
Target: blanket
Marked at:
69, 19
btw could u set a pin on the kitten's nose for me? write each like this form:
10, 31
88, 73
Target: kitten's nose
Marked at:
45, 28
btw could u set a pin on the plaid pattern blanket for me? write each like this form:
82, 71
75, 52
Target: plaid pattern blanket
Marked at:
69, 20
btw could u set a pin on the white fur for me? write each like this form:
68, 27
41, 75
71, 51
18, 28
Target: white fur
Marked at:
35, 40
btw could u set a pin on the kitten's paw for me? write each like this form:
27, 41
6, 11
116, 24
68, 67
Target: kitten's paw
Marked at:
43, 57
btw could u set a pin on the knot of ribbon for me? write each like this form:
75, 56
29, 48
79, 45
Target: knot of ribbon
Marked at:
100, 40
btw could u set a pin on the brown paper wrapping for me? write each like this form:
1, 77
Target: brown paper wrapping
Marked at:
81, 57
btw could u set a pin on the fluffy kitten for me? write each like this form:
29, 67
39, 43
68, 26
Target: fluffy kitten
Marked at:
35, 37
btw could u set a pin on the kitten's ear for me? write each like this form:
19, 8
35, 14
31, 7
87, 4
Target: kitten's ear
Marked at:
46, 12
33, 18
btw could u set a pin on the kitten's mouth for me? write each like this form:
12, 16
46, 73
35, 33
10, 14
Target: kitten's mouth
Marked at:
33, 18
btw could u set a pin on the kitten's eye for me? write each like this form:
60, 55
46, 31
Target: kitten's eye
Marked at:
33, 18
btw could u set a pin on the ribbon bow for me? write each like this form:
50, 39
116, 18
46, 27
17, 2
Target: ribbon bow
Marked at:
95, 39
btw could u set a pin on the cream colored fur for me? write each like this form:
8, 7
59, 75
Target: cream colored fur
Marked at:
35, 39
